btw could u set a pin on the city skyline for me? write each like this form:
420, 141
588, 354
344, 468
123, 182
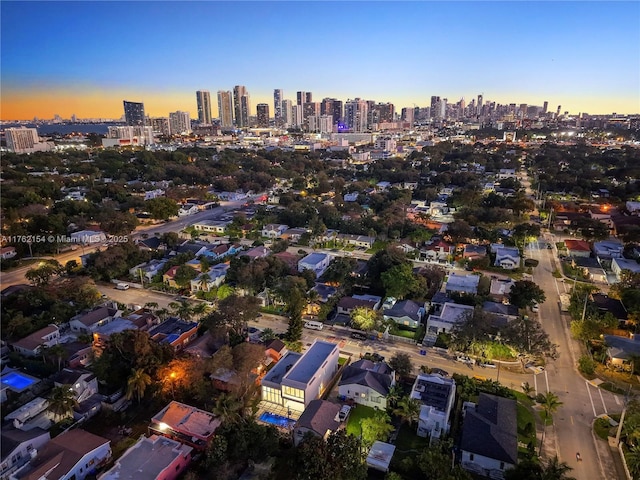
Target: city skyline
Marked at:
400, 52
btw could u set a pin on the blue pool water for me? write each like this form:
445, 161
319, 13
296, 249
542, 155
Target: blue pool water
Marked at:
17, 381
277, 420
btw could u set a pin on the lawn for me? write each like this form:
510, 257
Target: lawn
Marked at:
526, 426
342, 360
358, 412
408, 439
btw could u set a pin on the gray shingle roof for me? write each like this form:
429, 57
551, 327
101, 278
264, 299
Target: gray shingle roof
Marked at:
491, 430
319, 416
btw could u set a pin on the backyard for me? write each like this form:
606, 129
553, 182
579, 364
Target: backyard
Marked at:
358, 412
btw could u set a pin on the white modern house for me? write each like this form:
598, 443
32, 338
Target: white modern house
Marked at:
489, 442
367, 383
316, 262
620, 264
436, 395
297, 379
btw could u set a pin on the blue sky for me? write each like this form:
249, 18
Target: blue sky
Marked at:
85, 57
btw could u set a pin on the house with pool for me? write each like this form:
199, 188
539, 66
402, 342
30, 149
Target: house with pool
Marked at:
297, 379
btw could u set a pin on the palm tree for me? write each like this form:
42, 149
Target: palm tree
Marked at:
58, 353
151, 305
199, 310
408, 409
228, 408
61, 401
550, 403
182, 309
137, 384
394, 395
554, 469
203, 282
527, 389
633, 461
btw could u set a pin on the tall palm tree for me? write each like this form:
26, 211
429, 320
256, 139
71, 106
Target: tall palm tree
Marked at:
61, 401
408, 409
57, 352
550, 403
633, 461
182, 309
228, 407
554, 469
137, 384
199, 310
203, 282
527, 389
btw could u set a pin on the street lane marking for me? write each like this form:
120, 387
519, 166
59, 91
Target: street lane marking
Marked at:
546, 379
590, 398
617, 399
572, 420
535, 384
602, 398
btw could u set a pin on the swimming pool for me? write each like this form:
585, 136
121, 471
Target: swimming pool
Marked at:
277, 420
17, 381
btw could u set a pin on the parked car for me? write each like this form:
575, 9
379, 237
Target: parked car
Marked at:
359, 335
465, 359
374, 357
343, 414
439, 371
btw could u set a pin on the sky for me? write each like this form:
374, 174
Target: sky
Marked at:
85, 58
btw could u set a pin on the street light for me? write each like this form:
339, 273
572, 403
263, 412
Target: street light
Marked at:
172, 376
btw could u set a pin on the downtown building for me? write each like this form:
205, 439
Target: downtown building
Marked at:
225, 108
203, 99
277, 107
124, 136
25, 140
179, 123
262, 115
356, 115
242, 106
134, 113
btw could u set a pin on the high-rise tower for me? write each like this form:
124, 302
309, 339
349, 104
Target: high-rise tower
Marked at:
134, 113
203, 98
225, 108
263, 115
277, 106
241, 105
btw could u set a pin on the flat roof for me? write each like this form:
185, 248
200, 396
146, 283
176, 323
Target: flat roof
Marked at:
280, 369
146, 459
188, 419
380, 456
310, 362
314, 258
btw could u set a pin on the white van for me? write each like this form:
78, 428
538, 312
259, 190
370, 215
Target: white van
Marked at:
122, 286
313, 325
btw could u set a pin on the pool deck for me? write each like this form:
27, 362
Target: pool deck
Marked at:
278, 410
23, 383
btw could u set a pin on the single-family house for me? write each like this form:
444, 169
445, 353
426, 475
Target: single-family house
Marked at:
437, 251
474, 252
212, 278
78, 354
319, 419
175, 332
367, 383
256, 252
223, 250
618, 265
151, 458
74, 454
578, 248
293, 235
31, 345
633, 207
443, 322
501, 314
185, 424
462, 283
275, 349
7, 252
187, 209
297, 379
507, 258
608, 249
347, 304
622, 350
151, 244
360, 241
212, 226
489, 442
436, 395
18, 446
87, 237
195, 264
82, 383
591, 268
274, 230
289, 259
316, 262
147, 270
324, 291
89, 322
405, 312
168, 277
351, 197
607, 305
501, 288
